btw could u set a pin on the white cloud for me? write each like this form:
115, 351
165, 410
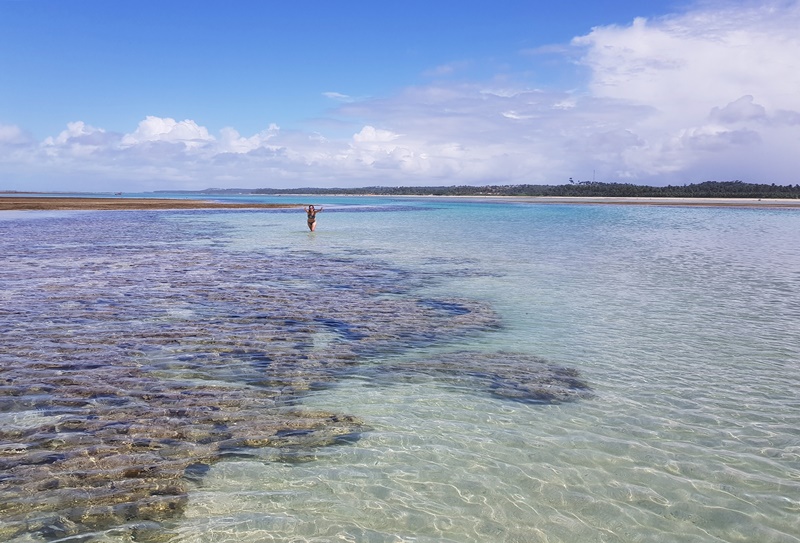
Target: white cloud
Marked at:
711, 79
231, 141
710, 93
77, 132
79, 140
370, 134
160, 129
691, 62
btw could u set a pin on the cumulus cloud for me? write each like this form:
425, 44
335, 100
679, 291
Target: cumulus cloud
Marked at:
708, 93
231, 141
152, 129
370, 134
695, 60
717, 83
78, 138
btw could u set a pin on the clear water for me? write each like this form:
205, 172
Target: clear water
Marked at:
685, 322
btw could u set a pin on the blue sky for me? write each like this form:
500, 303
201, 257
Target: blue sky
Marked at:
99, 95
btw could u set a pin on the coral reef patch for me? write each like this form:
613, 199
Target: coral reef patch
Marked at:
514, 376
138, 350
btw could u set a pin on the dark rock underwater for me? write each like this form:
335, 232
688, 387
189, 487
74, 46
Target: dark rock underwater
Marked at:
138, 350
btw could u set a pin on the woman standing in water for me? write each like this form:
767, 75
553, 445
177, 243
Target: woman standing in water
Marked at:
312, 217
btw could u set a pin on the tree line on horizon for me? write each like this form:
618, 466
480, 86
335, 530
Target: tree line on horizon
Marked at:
707, 189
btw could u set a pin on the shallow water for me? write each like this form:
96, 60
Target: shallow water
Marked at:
415, 370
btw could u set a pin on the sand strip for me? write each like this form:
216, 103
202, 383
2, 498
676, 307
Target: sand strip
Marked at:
52, 203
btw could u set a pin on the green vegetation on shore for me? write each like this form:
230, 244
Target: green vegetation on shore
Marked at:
578, 189
708, 189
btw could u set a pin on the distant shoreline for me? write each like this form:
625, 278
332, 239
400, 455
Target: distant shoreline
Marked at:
67, 203
588, 200
630, 200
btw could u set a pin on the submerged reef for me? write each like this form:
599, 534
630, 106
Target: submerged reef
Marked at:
138, 350
507, 375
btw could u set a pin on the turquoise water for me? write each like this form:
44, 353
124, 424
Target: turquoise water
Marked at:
684, 323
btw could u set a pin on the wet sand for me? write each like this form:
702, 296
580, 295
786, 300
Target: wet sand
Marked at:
57, 203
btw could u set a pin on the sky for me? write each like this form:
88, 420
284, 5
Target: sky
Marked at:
133, 96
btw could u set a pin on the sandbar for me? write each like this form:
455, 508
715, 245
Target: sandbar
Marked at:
58, 203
